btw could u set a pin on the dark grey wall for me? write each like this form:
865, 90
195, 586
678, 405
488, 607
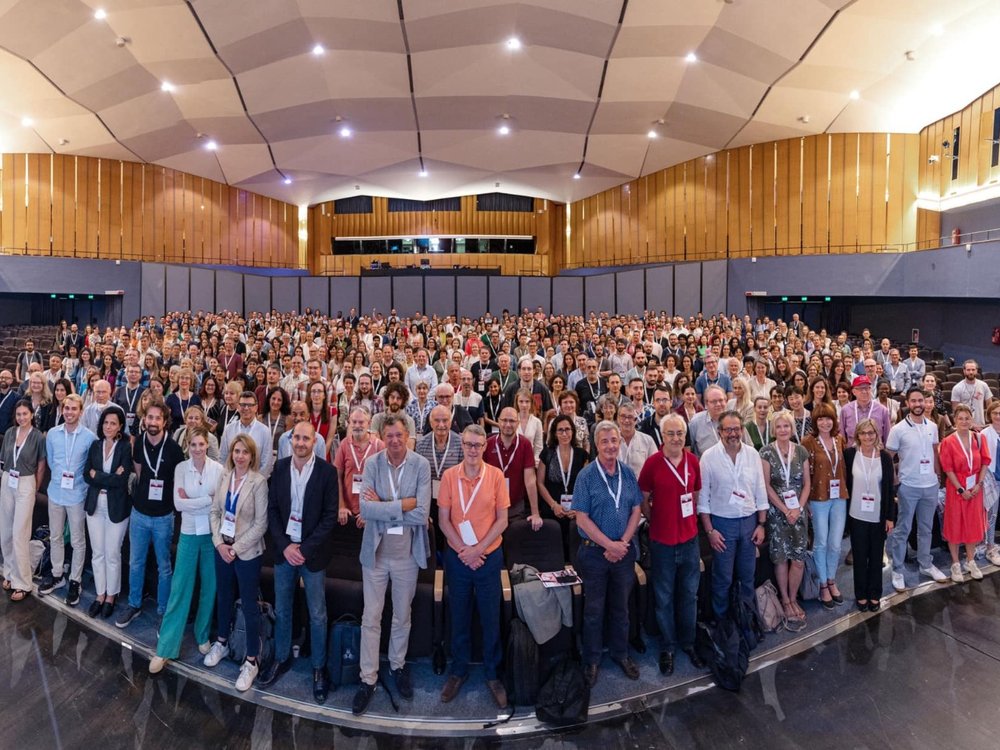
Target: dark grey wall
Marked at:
630, 292
473, 293
407, 295
536, 292
178, 288
376, 293
315, 293
228, 290
599, 293
153, 289
344, 294
439, 295
256, 293
972, 219
687, 289
660, 288
504, 294
202, 289
567, 295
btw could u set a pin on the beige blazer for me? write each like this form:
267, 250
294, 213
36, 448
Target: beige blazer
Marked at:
251, 515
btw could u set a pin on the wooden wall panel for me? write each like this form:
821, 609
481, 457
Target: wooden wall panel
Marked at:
34, 176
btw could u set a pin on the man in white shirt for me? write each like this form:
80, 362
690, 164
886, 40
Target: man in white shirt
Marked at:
634, 447
972, 392
257, 430
732, 508
102, 400
420, 371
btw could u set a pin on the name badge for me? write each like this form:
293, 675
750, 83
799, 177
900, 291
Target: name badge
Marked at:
12, 479
468, 534
834, 489
970, 481
155, 489
356, 483
791, 499
395, 530
687, 505
68, 479
228, 527
738, 499
566, 501
130, 419
435, 488
506, 482
294, 528
925, 466
867, 503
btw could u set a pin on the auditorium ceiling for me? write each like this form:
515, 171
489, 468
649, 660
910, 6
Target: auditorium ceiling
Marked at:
309, 100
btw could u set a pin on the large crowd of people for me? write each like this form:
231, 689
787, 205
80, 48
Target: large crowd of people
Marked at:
267, 431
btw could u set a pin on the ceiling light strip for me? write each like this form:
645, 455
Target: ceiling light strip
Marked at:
239, 93
600, 87
409, 75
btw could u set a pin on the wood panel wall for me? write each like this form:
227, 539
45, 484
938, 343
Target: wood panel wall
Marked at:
831, 193
546, 224
82, 207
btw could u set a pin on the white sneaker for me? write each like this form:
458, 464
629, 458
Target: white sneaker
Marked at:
898, 582
204, 648
248, 673
974, 571
933, 572
993, 555
956, 573
156, 664
216, 653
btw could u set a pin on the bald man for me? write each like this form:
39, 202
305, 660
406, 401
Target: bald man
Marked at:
460, 417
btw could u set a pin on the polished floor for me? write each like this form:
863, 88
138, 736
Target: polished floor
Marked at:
922, 674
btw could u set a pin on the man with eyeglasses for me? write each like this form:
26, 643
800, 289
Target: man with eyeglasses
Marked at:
704, 426
513, 455
732, 507
661, 407
473, 505
635, 447
526, 380
589, 390
670, 482
711, 376
459, 416
247, 423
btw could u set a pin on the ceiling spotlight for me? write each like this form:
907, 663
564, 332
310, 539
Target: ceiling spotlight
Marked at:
576, 176
63, 141
804, 119
651, 134
710, 157
345, 132
318, 50
27, 122
513, 43
167, 86
855, 95
422, 173
287, 180
211, 146
100, 14
910, 55
503, 130
691, 57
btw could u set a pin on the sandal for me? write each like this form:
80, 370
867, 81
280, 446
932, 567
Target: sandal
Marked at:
18, 595
6, 585
828, 603
801, 612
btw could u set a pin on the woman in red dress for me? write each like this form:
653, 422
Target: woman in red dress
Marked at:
965, 458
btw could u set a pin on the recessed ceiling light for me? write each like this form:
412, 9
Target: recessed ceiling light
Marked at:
167, 86
211, 146
27, 122
710, 157
287, 180
318, 50
651, 134
855, 95
691, 57
513, 43
345, 132
576, 176
100, 14
422, 173
503, 130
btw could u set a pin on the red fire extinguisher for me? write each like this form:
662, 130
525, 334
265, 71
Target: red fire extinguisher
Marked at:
956, 236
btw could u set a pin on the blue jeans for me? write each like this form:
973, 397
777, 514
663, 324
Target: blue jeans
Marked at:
922, 503
676, 572
285, 578
739, 558
828, 517
239, 579
606, 589
483, 584
144, 530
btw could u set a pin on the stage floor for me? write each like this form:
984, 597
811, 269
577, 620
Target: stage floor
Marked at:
918, 674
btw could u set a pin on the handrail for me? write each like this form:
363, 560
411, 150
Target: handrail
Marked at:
138, 257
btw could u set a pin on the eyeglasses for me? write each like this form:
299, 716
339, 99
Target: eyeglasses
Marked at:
248, 406
473, 446
564, 429
730, 430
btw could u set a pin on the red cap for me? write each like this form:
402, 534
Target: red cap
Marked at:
860, 380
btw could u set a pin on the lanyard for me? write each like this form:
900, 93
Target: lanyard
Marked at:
359, 462
159, 459
472, 499
399, 476
4, 399
921, 432
565, 474
131, 401
801, 433
438, 465
835, 461
299, 481
868, 468
966, 453
492, 407
272, 428
503, 466
786, 466
857, 411
184, 406
616, 495
233, 495
735, 468
504, 380
68, 445
684, 481
18, 448
593, 395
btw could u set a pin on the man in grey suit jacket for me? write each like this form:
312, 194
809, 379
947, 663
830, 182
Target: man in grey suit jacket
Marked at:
395, 503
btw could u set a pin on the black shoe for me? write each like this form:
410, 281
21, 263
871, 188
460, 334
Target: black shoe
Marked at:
73, 594
320, 684
696, 661
127, 617
629, 668
274, 672
403, 683
666, 663
95, 608
590, 674
874, 605
107, 610
362, 698
50, 584
638, 644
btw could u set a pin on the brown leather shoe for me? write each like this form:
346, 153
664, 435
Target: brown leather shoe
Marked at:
451, 687
629, 668
499, 693
590, 674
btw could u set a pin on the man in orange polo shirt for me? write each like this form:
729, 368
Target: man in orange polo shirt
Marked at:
472, 512
354, 450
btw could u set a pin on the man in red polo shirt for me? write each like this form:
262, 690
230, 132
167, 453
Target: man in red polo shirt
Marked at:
670, 481
512, 454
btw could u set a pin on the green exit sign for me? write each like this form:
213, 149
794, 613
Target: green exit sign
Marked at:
783, 299
804, 299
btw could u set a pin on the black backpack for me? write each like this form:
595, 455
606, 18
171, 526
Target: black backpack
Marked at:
521, 673
343, 652
745, 614
727, 652
44, 566
238, 634
564, 696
